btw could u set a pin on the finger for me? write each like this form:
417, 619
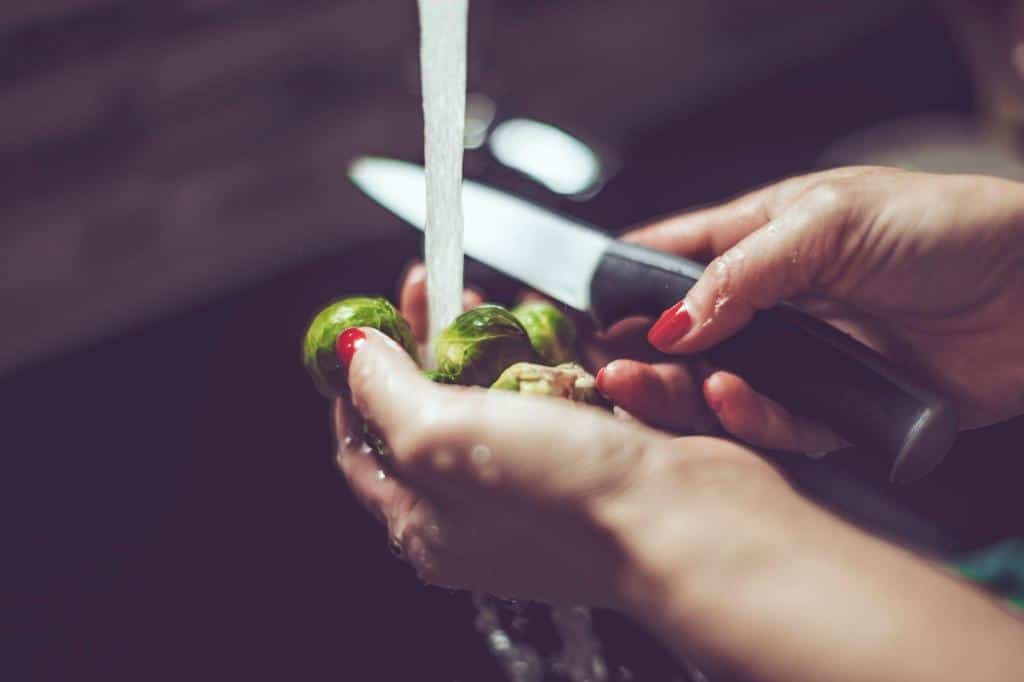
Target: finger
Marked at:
625, 339
751, 417
412, 300
386, 385
705, 233
382, 494
530, 296
472, 298
709, 232
665, 395
632, 327
414, 304
782, 259
374, 489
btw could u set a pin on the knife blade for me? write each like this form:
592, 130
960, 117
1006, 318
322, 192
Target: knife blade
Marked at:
806, 365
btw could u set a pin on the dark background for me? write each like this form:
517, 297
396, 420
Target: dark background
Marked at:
174, 210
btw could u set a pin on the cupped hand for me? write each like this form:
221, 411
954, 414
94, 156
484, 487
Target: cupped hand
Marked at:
927, 269
643, 383
531, 497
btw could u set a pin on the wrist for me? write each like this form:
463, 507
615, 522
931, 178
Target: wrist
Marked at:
731, 566
695, 526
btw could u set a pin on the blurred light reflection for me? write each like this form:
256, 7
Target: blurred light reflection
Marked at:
552, 157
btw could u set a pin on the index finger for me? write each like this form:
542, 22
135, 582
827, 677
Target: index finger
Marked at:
441, 437
705, 233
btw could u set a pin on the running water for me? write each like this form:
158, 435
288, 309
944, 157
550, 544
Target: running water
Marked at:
443, 74
519, 660
581, 659
443, 25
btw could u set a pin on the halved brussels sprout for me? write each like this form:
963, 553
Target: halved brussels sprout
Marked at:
318, 350
552, 334
567, 380
480, 344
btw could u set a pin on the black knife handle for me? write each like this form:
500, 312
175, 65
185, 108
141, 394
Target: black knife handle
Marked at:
804, 364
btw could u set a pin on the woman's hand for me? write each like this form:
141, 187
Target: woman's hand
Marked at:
697, 538
512, 494
927, 269
638, 379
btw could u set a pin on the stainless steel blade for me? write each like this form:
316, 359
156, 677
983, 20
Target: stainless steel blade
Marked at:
544, 250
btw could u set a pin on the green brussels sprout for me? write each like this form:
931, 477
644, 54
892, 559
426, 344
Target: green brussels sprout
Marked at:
552, 334
567, 380
318, 350
480, 344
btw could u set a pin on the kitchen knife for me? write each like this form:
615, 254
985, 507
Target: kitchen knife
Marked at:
806, 365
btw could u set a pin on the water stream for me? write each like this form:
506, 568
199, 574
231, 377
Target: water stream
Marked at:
443, 26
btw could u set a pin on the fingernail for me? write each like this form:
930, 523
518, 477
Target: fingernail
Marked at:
349, 342
598, 380
673, 325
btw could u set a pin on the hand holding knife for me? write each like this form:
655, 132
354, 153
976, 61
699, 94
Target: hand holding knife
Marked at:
804, 364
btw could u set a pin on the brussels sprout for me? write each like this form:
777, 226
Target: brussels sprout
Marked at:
567, 380
318, 351
481, 343
551, 332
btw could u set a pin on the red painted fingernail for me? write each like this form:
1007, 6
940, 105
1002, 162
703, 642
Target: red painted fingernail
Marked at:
670, 327
598, 380
348, 343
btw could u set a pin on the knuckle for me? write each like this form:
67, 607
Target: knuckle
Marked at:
728, 272
829, 197
722, 275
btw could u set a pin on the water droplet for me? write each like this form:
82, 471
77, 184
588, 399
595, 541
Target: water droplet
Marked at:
347, 441
381, 475
519, 660
434, 531
482, 458
720, 302
481, 454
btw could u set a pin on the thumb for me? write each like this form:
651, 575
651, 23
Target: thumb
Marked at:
385, 383
781, 259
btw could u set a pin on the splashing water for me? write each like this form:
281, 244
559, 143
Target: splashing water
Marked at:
520, 661
443, 74
581, 659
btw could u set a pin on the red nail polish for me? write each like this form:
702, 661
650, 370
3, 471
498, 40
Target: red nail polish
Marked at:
348, 343
598, 381
670, 327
